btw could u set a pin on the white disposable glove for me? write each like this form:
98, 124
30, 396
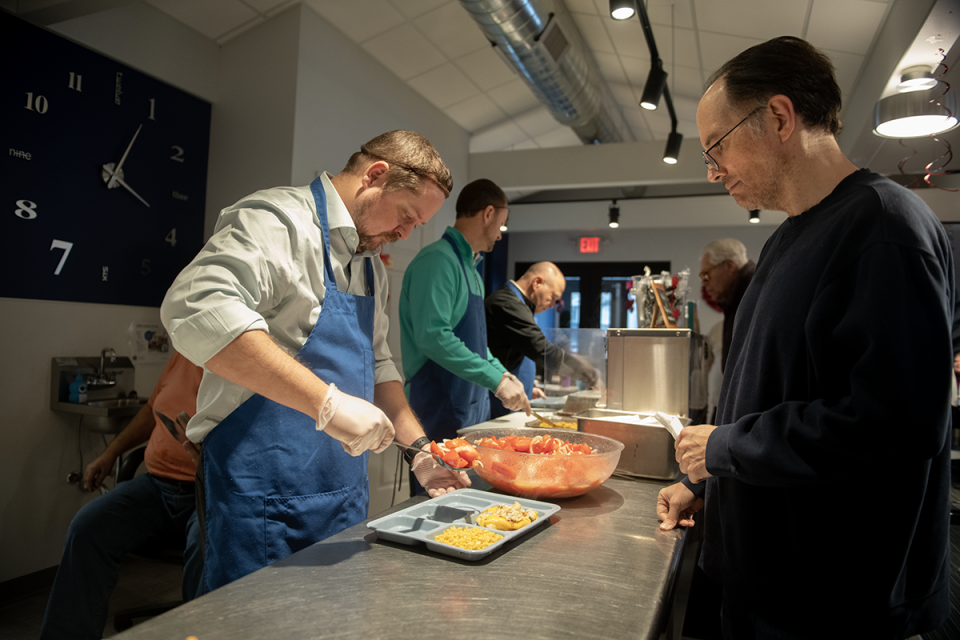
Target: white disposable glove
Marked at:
435, 479
356, 423
510, 392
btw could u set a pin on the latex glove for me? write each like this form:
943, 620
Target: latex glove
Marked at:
435, 479
356, 423
510, 392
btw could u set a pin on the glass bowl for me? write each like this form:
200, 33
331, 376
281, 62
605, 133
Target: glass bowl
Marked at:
536, 476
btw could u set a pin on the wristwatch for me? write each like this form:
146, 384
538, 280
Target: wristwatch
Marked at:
419, 443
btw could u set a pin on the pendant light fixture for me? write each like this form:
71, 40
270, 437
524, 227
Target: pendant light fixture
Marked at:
614, 215
755, 216
916, 113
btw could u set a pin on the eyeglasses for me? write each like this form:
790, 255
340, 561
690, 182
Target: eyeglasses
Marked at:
705, 275
708, 159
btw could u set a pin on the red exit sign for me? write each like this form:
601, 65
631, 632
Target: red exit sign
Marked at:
590, 245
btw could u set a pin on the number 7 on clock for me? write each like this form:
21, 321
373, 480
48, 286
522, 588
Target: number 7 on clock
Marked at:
66, 246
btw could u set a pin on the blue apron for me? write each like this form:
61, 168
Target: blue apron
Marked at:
526, 371
274, 484
443, 401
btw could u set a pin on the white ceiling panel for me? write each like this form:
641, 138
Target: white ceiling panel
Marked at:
498, 137
558, 137
451, 30
513, 97
444, 85
404, 51
476, 113
594, 33
359, 20
830, 22
758, 19
413, 8
537, 122
485, 68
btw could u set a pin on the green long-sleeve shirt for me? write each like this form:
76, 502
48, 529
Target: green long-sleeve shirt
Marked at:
433, 299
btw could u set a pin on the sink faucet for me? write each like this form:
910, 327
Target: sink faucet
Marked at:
103, 354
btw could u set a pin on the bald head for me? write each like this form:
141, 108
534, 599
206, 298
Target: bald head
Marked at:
544, 284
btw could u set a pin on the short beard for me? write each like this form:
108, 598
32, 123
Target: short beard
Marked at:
367, 241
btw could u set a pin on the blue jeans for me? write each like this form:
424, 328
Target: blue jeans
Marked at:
100, 533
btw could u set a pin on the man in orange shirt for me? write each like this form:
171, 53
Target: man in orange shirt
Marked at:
157, 503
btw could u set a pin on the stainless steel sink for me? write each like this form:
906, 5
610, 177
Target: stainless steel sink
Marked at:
109, 407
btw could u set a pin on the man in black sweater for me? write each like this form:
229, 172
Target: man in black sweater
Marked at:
515, 339
837, 387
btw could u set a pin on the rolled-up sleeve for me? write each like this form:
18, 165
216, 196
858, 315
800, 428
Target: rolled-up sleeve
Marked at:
222, 293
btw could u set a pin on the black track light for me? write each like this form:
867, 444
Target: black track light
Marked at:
622, 9
672, 153
653, 89
755, 216
614, 215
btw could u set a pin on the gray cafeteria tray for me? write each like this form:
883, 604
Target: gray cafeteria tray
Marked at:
423, 521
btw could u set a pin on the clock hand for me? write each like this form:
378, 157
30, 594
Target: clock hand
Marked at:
115, 178
128, 188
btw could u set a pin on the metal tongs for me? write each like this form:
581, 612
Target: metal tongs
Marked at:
439, 460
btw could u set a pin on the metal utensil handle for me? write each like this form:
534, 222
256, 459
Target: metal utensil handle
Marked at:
542, 419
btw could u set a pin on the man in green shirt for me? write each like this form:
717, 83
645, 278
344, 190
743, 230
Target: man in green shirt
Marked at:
443, 334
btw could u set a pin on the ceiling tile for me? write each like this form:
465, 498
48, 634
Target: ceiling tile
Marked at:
845, 25
685, 47
514, 97
498, 137
638, 125
685, 82
558, 137
760, 19
595, 35
486, 68
848, 68
265, 6
582, 6
451, 29
404, 51
610, 67
358, 19
277, 8
717, 48
536, 122
628, 39
670, 13
476, 113
624, 94
524, 144
444, 85
212, 19
414, 8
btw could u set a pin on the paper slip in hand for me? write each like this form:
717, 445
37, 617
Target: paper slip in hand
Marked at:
672, 423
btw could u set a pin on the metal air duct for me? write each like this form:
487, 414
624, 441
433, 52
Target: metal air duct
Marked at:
540, 41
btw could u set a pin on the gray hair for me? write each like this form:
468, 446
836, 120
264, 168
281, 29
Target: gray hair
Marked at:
726, 249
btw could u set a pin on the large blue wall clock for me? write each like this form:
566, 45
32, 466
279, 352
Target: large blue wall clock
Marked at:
104, 173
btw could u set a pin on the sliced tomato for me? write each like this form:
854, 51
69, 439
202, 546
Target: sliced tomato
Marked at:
522, 444
435, 448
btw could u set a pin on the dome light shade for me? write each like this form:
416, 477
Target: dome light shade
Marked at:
916, 78
916, 114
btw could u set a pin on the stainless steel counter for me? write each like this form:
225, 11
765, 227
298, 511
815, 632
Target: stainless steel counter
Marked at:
601, 568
